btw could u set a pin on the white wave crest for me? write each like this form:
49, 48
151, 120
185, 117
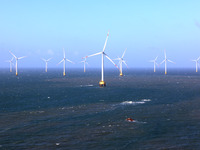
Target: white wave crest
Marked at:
146, 100
89, 85
36, 112
132, 103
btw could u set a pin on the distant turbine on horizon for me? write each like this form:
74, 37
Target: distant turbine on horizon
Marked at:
84, 62
102, 53
46, 63
64, 61
197, 63
16, 59
11, 63
154, 63
165, 60
121, 60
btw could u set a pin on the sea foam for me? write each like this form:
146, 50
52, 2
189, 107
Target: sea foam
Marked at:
135, 102
132, 102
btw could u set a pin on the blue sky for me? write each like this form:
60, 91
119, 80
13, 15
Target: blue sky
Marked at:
40, 29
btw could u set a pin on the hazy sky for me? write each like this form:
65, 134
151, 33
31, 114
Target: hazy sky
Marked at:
42, 28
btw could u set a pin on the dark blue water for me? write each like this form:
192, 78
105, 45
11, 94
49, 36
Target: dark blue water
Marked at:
41, 110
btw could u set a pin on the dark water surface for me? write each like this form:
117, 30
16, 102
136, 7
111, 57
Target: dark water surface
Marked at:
48, 111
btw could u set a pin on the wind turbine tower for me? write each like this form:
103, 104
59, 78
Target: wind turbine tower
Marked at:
84, 62
121, 61
16, 59
154, 63
165, 60
102, 83
197, 63
46, 63
11, 63
64, 62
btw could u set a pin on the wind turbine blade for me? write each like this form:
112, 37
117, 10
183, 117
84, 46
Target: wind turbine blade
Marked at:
193, 60
105, 42
116, 59
156, 63
61, 61
49, 59
43, 59
198, 64
165, 54
12, 54
125, 64
22, 57
111, 61
124, 53
93, 55
162, 62
70, 61
156, 58
171, 61
198, 59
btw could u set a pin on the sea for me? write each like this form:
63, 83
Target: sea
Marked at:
46, 111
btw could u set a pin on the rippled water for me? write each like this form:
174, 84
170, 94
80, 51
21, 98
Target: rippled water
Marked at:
47, 111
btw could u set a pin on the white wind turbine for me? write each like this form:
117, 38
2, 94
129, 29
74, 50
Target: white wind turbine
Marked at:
84, 62
165, 60
121, 61
46, 63
64, 61
16, 59
154, 63
197, 63
102, 53
11, 63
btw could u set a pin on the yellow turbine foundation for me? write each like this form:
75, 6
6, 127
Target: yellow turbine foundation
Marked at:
16, 74
102, 83
165, 72
63, 73
121, 74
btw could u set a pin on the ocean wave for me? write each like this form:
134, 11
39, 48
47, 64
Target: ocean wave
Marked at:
89, 85
135, 102
6, 129
132, 102
36, 112
136, 121
146, 100
63, 108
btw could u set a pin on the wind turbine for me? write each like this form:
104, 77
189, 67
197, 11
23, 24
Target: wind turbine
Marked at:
64, 61
84, 62
16, 59
197, 63
154, 63
46, 62
11, 63
102, 53
121, 60
165, 60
